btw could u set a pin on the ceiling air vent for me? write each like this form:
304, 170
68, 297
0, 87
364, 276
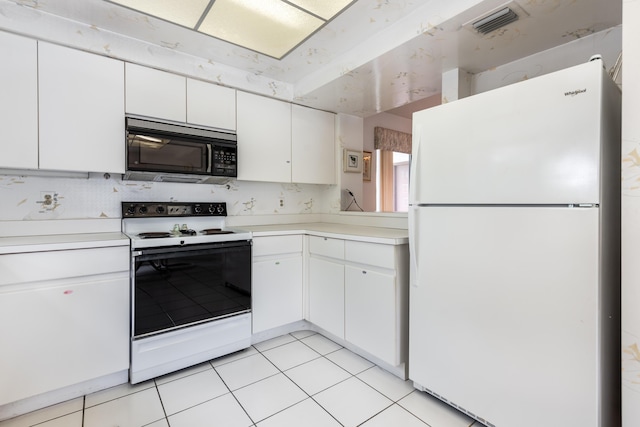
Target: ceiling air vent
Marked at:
495, 20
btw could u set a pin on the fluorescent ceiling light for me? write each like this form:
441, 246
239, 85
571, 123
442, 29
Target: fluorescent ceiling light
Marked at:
325, 9
185, 13
270, 27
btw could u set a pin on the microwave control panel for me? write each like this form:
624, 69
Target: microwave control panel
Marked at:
224, 161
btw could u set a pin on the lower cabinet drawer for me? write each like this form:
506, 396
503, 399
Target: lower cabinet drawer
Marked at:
326, 246
37, 266
275, 245
375, 254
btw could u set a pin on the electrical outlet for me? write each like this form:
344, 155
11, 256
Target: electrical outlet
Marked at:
47, 198
281, 203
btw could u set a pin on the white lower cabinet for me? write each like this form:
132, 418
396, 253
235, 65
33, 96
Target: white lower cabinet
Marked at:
65, 319
371, 312
358, 291
326, 295
277, 281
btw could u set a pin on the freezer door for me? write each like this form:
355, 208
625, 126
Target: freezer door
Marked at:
533, 142
504, 312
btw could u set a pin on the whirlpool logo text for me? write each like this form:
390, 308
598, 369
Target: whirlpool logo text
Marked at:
575, 92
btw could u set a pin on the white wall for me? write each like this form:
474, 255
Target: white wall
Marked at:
348, 135
631, 215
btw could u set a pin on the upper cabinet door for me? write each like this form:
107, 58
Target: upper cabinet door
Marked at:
211, 105
19, 102
155, 93
312, 146
264, 139
81, 111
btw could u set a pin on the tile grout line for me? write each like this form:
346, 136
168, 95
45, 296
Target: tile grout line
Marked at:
166, 417
231, 391
262, 353
378, 413
296, 384
352, 375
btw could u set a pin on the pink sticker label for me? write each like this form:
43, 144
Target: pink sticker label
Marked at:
68, 292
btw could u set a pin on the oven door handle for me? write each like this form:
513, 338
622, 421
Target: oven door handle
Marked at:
176, 250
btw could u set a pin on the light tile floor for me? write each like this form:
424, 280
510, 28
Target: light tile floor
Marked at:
298, 379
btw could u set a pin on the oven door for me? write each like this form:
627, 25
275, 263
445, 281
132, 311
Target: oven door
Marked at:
176, 287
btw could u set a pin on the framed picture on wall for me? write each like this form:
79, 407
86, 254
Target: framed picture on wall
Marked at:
366, 165
352, 161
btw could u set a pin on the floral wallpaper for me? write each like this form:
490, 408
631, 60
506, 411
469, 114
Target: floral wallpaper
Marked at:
40, 198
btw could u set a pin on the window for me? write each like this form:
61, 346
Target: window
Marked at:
393, 181
393, 156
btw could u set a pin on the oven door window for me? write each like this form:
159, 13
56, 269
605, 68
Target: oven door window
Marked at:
176, 287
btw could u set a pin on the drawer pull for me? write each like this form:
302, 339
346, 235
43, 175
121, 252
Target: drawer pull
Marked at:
277, 262
364, 272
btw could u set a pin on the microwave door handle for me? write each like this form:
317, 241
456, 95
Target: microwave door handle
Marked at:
209, 158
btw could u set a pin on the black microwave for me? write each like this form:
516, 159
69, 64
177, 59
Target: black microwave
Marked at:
170, 152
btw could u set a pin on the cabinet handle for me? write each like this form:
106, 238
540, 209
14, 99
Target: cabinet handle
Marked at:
364, 272
277, 262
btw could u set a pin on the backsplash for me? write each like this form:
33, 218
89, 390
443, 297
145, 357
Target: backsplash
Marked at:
25, 198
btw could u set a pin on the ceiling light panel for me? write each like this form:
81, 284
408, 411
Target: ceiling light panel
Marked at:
182, 12
326, 9
271, 27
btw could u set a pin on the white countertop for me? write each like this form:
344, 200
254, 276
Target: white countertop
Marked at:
389, 236
56, 242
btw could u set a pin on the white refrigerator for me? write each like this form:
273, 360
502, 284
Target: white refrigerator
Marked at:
515, 252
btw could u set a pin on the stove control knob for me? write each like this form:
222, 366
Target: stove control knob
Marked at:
197, 209
220, 209
143, 209
160, 209
131, 210
212, 209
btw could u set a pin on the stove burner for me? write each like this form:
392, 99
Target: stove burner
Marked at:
216, 231
153, 235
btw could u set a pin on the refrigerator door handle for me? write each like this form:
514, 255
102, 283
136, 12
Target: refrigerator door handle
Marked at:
414, 280
414, 170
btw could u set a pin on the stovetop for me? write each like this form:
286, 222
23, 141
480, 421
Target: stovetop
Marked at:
158, 224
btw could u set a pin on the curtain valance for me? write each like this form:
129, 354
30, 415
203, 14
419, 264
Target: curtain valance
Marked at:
392, 140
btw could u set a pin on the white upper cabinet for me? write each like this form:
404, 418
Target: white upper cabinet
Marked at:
155, 93
312, 146
81, 102
280, 142
264, 139
19, 102
211, 105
